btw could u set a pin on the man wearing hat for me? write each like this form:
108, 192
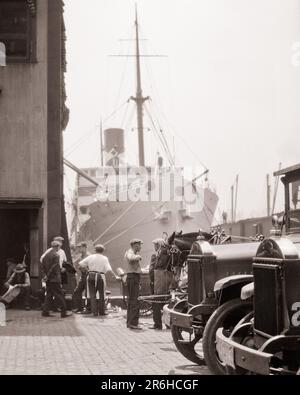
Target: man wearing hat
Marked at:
62, 259
97, 266
18, 286
162, 279
133, 269
51, 273
82, 274
61, 252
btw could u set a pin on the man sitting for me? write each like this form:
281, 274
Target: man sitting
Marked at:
18, 287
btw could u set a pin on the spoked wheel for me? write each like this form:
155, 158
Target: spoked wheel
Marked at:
145, 308
188, 344
227, 316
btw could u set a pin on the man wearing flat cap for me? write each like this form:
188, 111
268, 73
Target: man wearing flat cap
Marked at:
62, 258
133, 270
51, 274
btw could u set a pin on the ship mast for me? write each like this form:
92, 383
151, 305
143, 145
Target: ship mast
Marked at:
139, 99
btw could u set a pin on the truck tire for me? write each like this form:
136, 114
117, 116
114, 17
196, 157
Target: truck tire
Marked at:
178, 335
187, 350
227, 316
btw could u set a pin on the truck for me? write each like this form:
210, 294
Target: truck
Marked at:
266, 341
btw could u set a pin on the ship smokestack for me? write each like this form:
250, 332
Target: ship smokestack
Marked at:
114, 146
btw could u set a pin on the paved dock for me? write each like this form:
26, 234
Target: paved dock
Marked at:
84, 345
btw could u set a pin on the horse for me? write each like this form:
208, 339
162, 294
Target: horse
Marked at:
178, 247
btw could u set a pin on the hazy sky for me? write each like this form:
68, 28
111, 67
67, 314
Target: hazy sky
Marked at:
227, 92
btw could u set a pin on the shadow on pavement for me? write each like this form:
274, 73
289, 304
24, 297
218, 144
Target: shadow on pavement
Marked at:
31, 323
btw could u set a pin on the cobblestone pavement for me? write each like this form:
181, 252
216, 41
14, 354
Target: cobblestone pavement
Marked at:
84, 345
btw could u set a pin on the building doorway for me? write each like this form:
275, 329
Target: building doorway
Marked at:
20, 238
14, 236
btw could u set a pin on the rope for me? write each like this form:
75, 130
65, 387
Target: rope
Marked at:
181, 138
153, 298
78, 143
116, 221
163, 140
163, 143
124, 72
114, 112
131, 227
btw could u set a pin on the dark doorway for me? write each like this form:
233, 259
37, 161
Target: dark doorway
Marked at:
14, 233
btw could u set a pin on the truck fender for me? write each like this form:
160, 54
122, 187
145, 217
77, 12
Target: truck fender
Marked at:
230, 287
232, 280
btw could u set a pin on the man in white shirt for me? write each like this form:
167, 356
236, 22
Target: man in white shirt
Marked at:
97, 266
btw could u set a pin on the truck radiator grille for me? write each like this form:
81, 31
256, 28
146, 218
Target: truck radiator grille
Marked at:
195, 290
267, 299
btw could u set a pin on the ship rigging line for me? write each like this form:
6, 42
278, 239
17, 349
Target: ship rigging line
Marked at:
78, 143
123, 74
179, 136
116, 221
161, 139
132, 226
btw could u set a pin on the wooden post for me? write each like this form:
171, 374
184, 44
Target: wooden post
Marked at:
232, 203
268, 196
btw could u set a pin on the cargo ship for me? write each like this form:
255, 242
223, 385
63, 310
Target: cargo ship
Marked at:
119, 201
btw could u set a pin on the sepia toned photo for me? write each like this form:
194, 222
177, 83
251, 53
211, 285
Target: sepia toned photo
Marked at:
149, 190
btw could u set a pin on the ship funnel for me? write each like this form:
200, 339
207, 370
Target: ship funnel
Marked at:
114, 146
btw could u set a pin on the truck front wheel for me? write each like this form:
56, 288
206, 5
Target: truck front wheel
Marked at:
227, 316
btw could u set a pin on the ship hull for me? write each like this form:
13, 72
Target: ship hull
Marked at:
114, 224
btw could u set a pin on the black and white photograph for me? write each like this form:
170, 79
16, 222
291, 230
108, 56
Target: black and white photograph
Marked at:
149, 190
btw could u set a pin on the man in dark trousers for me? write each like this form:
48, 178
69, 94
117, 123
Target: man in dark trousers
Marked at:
133, 270
82, 283
98, 266
51, 274
162, 279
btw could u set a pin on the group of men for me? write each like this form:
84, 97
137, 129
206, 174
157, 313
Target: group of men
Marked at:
161, 278
91, 271
91, 276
